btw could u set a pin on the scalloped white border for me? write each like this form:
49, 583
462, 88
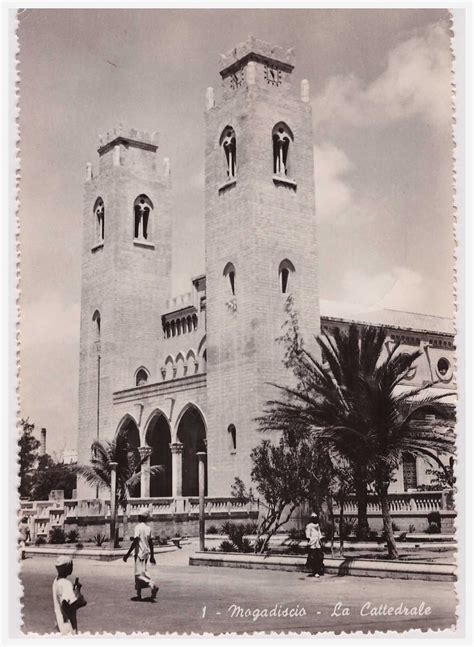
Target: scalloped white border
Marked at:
11, 591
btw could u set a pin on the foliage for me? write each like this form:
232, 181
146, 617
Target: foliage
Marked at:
57, 536
227, 547
395, 527
79, 545
236, 532
128, 474
72, 536
212, 530
444, 479
28, 455
433, 529
434, 520
40, 541
52, 475
351, 405
99, 538
412, 528
296, 534
348, 526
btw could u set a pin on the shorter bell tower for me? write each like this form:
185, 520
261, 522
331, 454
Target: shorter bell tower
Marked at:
126, 273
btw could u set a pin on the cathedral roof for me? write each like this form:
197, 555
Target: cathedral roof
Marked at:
386, 317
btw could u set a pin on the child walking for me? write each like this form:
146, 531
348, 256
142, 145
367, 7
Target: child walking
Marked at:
67, 598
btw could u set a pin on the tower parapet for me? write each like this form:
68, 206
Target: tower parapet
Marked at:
254, 49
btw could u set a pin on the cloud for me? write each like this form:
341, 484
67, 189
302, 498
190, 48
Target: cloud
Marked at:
333, 194
416, 81
399, 289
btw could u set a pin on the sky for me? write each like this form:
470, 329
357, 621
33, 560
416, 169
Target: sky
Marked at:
380, 87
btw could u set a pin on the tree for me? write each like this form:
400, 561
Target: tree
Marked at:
51, 475
28, 455
351, 403
286, 475
99, 472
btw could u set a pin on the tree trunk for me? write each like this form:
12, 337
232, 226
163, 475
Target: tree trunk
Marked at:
387, 522
362, 521
341, 525
125, 523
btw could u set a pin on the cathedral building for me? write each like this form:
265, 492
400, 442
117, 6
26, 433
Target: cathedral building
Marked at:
179, 375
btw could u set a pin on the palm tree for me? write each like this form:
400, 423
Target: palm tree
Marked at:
351, 402
128, 472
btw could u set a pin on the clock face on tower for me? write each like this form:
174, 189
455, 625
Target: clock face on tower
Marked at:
272, 75
237, 78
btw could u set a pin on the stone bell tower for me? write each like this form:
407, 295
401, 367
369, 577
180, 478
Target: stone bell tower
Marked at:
126, 265
260, 244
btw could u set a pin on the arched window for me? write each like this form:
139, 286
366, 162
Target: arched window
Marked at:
96, 330
285, 270
228, 143
99, 213
282, 138
141, 377
229, 273
232, 435
409, 472
141, 210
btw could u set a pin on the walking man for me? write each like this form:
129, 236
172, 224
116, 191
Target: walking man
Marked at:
142, 544
315, 561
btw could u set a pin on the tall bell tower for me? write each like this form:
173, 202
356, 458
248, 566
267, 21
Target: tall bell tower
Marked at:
261, 244
126, 266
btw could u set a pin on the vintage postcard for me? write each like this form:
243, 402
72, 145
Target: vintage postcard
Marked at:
238, 345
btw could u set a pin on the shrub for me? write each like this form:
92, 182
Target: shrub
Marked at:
402, 536
72, 536
99, 538
412, 528
246, 546
57, 536
434, 519
227, 547
226, 527
40, 541
79, 545
433, 529
296, 534
251, 528
373, 534
213, 530
395, 527
348, 527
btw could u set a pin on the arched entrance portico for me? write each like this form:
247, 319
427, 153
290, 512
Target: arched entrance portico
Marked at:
158, 438
191, 435
128, 437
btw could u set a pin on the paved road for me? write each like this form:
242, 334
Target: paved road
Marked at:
200, 599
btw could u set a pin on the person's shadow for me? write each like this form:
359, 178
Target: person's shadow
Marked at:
344, 567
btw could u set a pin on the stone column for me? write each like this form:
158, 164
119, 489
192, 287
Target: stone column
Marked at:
202, 484
145, 452
177, 468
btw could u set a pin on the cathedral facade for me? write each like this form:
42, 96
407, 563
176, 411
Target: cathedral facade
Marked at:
179, 375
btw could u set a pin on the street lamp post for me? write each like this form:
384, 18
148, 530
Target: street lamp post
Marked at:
201, 474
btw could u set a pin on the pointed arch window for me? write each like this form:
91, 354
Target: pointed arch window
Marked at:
229, 273
142, 208
96, 330
228, 143
141, 377
232, 436
285, 271
282, 140
99, 213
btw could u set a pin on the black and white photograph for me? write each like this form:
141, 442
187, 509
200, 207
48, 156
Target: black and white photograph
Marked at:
237, 339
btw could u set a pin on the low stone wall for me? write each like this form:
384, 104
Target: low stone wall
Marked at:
333, 566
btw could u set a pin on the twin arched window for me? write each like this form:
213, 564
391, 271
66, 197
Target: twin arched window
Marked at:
142, 208
99, 213
282, 138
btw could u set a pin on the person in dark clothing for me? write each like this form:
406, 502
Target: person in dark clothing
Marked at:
315, 561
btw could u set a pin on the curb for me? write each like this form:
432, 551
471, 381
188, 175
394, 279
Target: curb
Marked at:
333, 566
101, 554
